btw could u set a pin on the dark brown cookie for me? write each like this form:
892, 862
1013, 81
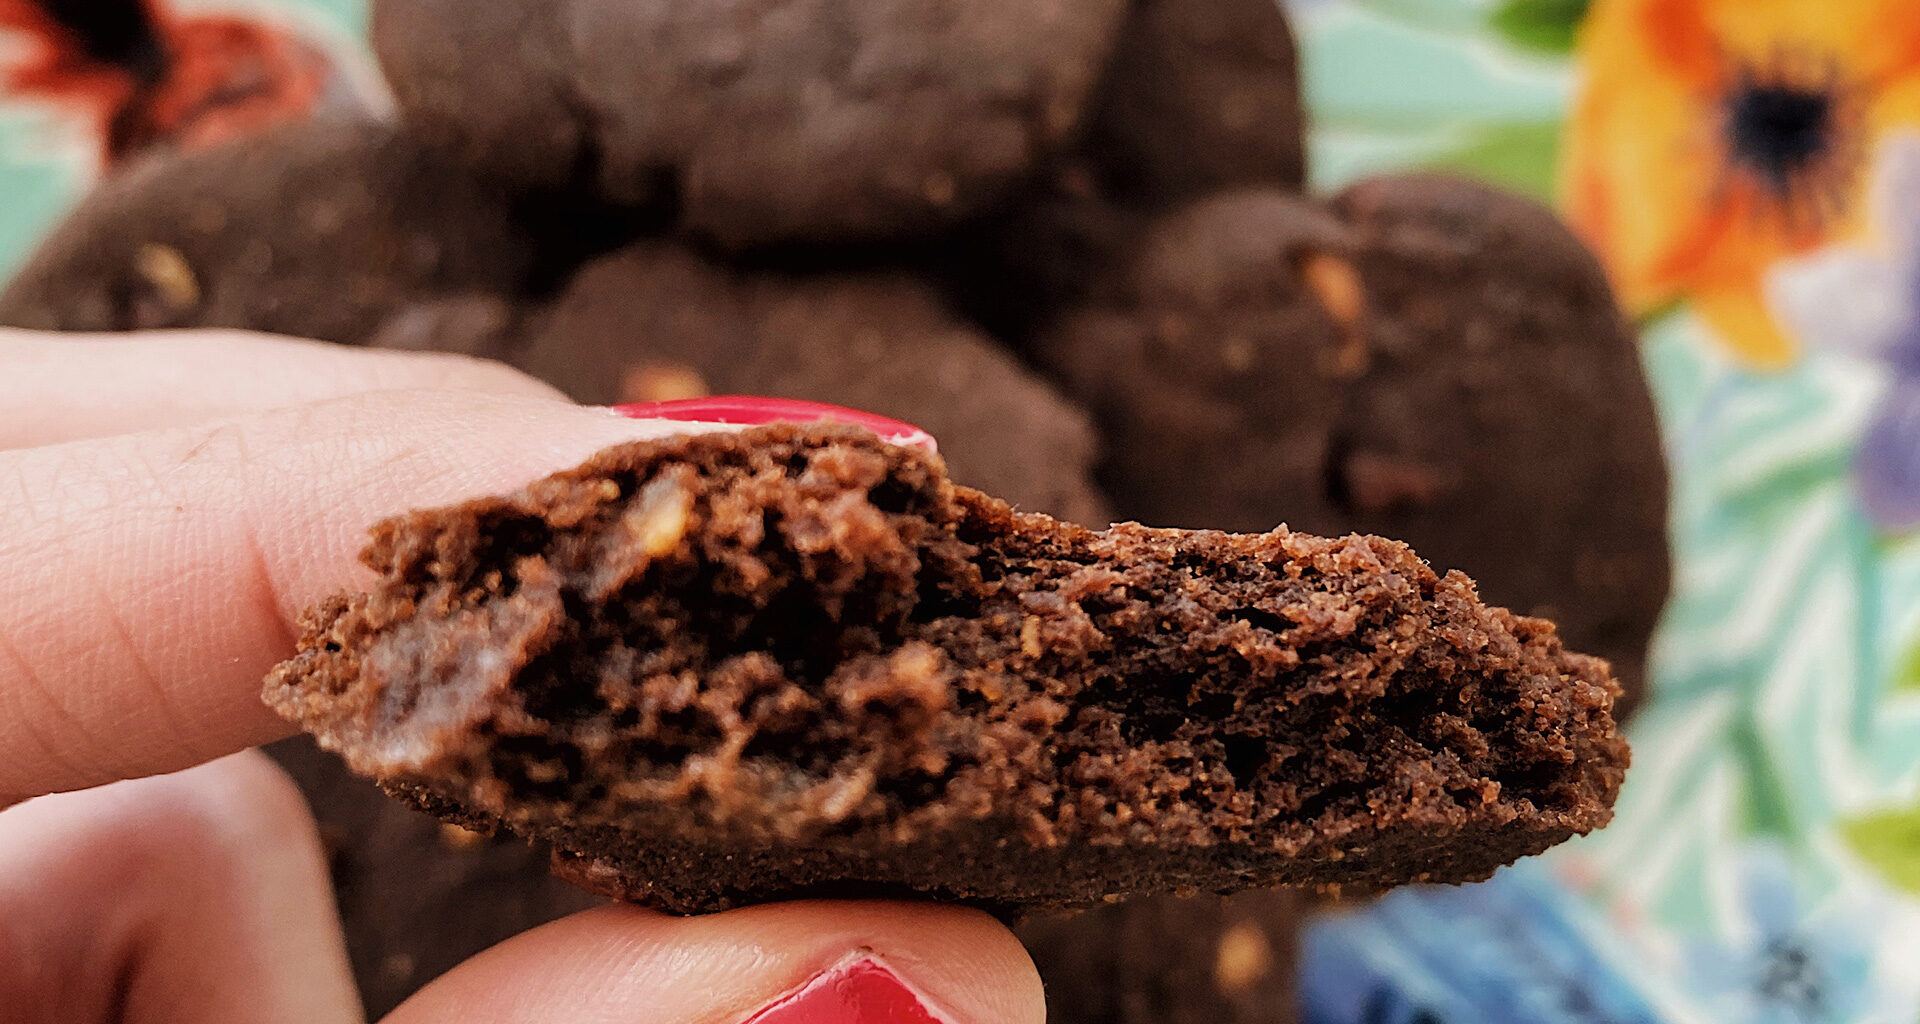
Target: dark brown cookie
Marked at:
418, 896
1421, 357
796, 661
1169, 960
1201, 95
472, 324
1015, 272
320, 229
763, 121
1003, 425
658, 321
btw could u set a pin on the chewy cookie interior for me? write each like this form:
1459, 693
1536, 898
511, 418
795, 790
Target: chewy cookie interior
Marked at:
809, 645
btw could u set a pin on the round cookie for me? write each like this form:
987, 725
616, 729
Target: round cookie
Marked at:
473, 324
1172, 960
657, 321
763, 121
1013, 273
1201, 95
1421, 357
321, 230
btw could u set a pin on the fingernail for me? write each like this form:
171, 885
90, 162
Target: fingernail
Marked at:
744, 410
860, 992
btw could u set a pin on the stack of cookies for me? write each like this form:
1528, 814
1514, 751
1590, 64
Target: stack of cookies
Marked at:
1068, 237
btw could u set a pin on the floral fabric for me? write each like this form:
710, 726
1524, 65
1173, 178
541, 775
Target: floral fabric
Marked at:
1749, 173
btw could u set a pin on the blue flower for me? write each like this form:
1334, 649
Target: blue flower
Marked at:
1517, 949
1865, 301
1786, 964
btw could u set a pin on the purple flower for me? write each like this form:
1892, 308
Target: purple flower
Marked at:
1864, 301
1888, 462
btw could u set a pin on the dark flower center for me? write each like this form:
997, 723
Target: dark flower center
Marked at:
1790, 977
1779, 132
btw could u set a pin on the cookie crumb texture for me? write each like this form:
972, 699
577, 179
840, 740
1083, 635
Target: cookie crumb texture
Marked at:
795, 661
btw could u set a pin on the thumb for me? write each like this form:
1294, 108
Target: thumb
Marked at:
788, 963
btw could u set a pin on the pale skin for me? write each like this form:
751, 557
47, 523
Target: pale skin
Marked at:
168, 505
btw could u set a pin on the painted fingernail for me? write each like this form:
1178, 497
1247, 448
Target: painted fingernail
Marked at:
744, 410
860, 992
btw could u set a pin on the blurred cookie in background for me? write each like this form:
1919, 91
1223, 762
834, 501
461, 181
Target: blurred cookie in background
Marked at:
1201, 96
1420, 357
317, 229
659, 321
1172, 960
798, 121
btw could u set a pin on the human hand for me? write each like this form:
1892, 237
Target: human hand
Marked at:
170, 505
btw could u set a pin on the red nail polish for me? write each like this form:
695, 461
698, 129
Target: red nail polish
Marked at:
744, 410
861, 992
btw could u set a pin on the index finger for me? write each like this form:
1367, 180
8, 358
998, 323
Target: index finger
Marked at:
154, 578
68, 387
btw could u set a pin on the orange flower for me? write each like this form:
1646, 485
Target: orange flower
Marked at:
1714, 137
145, 77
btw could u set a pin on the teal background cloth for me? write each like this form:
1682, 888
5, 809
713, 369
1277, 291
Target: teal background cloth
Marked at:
45, 166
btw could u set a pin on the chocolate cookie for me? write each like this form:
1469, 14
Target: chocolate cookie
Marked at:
1168, 960
472, 324
320, 230
1201, 95
1016, 272
1421, 357
797, 661
418, 896
1000, 422
658, 321
762, 121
